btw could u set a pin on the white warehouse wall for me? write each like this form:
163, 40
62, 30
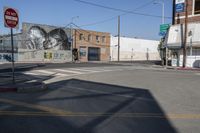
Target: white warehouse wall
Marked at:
134, 49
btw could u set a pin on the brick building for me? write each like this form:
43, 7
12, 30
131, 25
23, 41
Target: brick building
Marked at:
91, 45
176, 34
193, 12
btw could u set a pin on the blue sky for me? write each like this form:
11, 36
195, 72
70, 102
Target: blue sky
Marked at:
60, 13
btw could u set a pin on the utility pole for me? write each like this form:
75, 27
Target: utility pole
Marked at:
118, 38
173, 13
71, 34
185, 34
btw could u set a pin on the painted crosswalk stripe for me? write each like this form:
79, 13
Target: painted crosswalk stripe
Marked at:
31, 73
68, 71
86, 70
45, 71
61, 75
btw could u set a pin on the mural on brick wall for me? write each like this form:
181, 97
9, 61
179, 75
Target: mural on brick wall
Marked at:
45, 38
44, 43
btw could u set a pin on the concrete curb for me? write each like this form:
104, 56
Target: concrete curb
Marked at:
187, 69
30, 86
20, 68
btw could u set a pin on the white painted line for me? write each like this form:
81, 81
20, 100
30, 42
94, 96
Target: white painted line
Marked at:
198, 74
61, 75
30, 73
45, 71
69, 71
86, 70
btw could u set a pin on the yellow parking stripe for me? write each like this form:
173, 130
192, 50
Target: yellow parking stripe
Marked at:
33, 106
49, 111
115, 115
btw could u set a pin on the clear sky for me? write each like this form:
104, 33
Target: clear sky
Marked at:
61, 12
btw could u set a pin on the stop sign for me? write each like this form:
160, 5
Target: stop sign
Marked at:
11, 18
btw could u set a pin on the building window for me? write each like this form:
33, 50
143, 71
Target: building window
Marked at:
197, 7
98, 39
89, 38
83, 51
103, 39
81, 37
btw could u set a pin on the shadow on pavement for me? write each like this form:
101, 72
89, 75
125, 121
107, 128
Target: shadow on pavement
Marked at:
105, 108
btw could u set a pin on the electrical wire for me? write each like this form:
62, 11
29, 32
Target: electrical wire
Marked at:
121, 10
115, 17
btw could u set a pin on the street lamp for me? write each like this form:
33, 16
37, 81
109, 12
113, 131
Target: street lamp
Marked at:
71, 34
72, 19
163, 22
163, 9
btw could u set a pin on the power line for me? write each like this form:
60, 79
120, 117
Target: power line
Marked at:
115, 17
121, 10
99, 22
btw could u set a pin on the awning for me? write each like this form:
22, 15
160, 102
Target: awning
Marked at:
175, 35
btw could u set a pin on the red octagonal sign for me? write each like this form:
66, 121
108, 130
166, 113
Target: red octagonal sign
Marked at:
11, 18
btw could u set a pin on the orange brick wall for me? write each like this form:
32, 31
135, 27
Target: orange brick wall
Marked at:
104, 46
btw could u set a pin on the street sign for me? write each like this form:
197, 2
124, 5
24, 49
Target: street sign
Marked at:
164, 27
180, 1
180, 6
11, 18
162, 33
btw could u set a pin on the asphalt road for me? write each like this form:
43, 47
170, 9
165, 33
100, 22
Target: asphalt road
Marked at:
115, 99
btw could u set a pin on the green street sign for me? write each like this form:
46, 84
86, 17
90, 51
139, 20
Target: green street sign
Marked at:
164, 27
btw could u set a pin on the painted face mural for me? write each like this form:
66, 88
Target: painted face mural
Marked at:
39, 39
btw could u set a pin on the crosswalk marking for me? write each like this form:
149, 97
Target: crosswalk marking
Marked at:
66, 72
45, 71
69, 71
61, 74
86, 70
30, 73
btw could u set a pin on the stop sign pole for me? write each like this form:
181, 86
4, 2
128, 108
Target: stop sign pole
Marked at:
11, 21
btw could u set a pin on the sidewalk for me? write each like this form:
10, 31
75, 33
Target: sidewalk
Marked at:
184, 69
18, 66
22, 84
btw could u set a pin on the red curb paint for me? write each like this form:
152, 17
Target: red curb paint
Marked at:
188, 68
6, 89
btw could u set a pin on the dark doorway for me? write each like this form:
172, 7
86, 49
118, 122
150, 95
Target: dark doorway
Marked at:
93, 54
